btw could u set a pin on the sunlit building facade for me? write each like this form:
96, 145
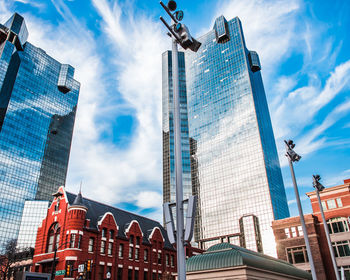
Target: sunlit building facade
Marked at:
228, 140
239, 182
38, 101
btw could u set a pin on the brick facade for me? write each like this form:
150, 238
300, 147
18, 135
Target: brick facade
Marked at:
138, 236
287, 235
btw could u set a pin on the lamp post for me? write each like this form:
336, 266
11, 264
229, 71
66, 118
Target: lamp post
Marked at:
292, 157
180, 35
319, 187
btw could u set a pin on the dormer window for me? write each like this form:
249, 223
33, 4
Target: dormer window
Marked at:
104, 232
111, 234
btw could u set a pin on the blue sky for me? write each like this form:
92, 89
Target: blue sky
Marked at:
116, 46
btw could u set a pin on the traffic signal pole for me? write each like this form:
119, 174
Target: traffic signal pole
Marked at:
181, 265
292, 156
180, 35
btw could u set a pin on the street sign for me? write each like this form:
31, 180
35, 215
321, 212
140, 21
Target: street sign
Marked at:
60, 272
108, 275
81, 267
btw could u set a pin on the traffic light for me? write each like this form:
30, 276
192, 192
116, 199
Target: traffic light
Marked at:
68, 270
178, 30
184, 37
316, 182
88, 265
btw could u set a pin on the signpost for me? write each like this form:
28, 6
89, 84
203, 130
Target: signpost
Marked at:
60, 272
81, 267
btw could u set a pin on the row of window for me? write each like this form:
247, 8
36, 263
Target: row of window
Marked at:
293, 231
341, 248
335, 225
338, 224
75, 241
332, 204
134, 253
299, 254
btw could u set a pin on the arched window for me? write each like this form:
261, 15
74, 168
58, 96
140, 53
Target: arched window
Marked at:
338, 224
53, 238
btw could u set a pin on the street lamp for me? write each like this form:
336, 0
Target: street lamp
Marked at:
293, 157
180, 35
319, 187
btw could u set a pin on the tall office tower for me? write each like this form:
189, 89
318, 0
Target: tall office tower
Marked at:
239, 180
168, 130
234, 163
38, 101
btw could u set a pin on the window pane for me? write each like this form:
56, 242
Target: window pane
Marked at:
286, 231
300, 230
299, 257
103, 247
339, 202
331, 204
121, 249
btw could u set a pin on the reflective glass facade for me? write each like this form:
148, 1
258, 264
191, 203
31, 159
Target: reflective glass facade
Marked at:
168, 130
34, 212
38, 100
236, 164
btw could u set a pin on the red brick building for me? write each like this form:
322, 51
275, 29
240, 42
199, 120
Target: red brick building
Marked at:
289, 236
117, 243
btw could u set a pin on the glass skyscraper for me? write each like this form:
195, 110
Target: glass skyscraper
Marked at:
168, 130
38, 101
234, 162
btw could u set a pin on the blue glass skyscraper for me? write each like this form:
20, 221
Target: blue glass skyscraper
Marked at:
38, 101
234, 163
168, 129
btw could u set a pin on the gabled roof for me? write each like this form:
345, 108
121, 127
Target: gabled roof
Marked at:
96, 210
225, 255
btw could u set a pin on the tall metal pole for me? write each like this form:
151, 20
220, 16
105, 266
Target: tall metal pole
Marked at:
53, 268
328, 237
181, 264
311, 261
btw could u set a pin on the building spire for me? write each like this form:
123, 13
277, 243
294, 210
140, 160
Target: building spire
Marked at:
79, 201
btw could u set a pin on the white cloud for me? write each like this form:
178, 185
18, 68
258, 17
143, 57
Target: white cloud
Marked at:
311, 141
293, 201
268, 26
148, 199
291, 115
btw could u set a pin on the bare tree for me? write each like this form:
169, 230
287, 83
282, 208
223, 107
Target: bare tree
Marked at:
10, 260
7, 259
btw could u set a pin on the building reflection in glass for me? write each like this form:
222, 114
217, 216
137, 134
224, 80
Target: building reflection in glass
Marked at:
236, 163
36, 93
168, 130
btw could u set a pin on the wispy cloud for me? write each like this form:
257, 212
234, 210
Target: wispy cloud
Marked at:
260, 20
291, 115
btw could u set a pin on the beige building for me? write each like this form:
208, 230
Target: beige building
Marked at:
225, 261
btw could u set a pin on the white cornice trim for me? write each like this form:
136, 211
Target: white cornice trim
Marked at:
104, 216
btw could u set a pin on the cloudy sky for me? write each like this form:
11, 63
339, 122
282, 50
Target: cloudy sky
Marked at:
115, 47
